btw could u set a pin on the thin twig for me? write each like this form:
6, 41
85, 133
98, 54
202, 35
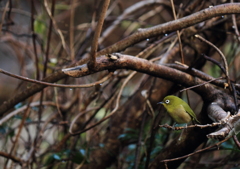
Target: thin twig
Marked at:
235, 97
178, 34
180, 42
192, 126
134, 8
236, 141
79, 115
97, 33
215, 62
222, 56
57, 103
146, 97
200, 84
114, 110
55, 26
71, 30
3, 16
197, 73
150, 49
107, 101
48, 39
150, 136
235, 25
57, 85
34, 41
139, 143
13, 148
19, 110
10, 11
141, 20
207, 148
58, 147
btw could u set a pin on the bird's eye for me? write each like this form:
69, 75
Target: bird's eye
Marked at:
167, 101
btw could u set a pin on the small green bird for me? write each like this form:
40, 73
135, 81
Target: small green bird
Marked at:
178, 109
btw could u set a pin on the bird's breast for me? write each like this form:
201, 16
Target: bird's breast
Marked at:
180, 115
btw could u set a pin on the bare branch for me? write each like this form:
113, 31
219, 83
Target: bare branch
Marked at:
56, 27
235, 25
201, 150
98, 30
57, 85
171, 26
141, 65
126, 13
141, 35
114, 110
11, 157
222, 56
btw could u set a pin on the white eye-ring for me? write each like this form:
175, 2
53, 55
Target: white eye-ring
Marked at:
167, 101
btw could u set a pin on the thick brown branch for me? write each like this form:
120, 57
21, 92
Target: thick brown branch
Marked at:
141, 35
207, 91
171, 26
120, 61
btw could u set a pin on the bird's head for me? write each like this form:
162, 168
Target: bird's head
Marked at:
170, 101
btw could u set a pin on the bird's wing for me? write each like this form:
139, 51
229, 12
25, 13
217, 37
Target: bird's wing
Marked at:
190, 112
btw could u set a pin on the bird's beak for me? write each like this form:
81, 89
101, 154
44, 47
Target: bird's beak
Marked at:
160, 103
